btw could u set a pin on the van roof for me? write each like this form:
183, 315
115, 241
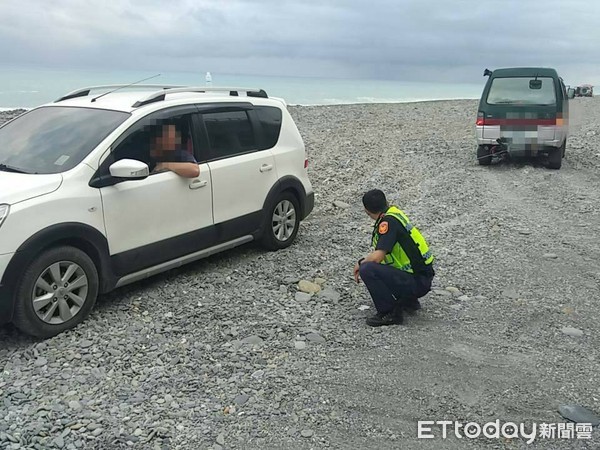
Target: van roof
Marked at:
525, 72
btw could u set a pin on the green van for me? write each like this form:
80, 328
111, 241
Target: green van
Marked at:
523, 111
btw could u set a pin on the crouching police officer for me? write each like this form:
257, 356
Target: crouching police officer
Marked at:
399, 271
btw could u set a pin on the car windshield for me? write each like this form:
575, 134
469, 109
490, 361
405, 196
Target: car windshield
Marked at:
518, 91
54, 139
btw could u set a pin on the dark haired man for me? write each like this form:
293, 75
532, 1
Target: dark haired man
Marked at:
168, 152
399, 270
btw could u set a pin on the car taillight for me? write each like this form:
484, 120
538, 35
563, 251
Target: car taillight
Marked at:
306, 163
480, 118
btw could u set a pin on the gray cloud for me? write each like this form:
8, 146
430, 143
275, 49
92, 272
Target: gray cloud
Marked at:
412, 40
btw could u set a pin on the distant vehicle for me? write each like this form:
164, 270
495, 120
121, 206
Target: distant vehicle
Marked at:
585, 90
82, 212
527, 109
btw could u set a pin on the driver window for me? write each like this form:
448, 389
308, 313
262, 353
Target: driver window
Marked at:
148, 138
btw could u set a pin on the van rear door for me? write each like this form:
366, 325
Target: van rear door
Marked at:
523, 110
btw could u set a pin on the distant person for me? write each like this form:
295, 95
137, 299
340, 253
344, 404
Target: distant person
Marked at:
399, 270
168, 152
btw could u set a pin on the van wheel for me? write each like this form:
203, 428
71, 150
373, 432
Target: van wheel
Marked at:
56, 292
484, 156
555, 158
281, 222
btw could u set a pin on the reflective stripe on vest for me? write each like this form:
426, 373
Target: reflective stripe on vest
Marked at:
398, 257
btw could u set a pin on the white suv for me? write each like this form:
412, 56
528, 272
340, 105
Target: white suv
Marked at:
83, 212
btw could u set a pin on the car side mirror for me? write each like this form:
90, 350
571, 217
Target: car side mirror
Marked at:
571, 93
129, 169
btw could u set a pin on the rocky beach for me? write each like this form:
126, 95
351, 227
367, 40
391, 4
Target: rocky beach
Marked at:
259, 350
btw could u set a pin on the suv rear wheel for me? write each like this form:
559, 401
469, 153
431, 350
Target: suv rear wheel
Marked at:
56, 292
281, 222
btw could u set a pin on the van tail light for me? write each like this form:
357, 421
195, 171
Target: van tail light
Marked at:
480, 118
306, 163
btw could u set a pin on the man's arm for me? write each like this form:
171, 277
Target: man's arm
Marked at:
183, 169
376, 257
388, 232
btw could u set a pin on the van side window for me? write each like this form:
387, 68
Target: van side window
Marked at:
229, 133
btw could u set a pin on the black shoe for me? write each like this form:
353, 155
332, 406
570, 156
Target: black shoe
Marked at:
379, 320
411, 306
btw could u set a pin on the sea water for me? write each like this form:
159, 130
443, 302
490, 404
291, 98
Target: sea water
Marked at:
29, 87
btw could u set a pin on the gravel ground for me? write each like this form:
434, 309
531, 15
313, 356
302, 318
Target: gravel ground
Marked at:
226, 353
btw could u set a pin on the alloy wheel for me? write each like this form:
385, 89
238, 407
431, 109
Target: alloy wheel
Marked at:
60, 292
284, 220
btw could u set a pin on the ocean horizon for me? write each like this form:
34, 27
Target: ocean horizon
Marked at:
29, 87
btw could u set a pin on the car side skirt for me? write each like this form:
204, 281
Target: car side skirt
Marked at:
178, 262
179, 247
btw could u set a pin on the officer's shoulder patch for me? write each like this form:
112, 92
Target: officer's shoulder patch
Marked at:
383, 227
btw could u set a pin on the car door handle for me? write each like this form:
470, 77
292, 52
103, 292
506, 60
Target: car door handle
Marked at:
196, 184
266, 167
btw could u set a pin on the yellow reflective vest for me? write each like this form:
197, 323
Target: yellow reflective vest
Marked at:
398, 257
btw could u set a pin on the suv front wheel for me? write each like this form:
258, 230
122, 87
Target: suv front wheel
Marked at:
281, 222
56, 292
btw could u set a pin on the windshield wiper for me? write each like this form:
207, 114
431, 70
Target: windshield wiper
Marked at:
5, 168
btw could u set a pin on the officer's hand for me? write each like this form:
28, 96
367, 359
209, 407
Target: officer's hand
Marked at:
357, 273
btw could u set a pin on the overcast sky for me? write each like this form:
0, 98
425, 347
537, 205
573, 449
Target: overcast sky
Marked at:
443, 40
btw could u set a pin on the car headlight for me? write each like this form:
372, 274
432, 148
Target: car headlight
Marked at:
3, 213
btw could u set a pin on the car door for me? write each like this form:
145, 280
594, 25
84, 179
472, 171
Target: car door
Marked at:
163, 216
242, 174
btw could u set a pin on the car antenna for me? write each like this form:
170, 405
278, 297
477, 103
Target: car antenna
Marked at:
123, 87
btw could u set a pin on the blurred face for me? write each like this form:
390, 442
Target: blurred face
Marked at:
167, 141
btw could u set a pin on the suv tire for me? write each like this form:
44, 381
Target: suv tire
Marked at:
44, 307
281, 222
555, 157
484, 156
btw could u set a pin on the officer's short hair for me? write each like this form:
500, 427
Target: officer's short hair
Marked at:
375, 202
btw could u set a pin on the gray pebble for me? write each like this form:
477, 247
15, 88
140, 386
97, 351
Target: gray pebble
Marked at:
85, 343
442, 293
241, 399
315, 337
41, 361
306, 433
510, 293
73, 404
300, 345
302, 297
340, 204
252, 340
330, 294
573, 332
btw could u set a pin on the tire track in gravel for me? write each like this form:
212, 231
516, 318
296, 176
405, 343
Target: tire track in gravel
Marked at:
501, 357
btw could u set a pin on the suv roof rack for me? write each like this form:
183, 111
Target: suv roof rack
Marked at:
234, 92
84, 92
